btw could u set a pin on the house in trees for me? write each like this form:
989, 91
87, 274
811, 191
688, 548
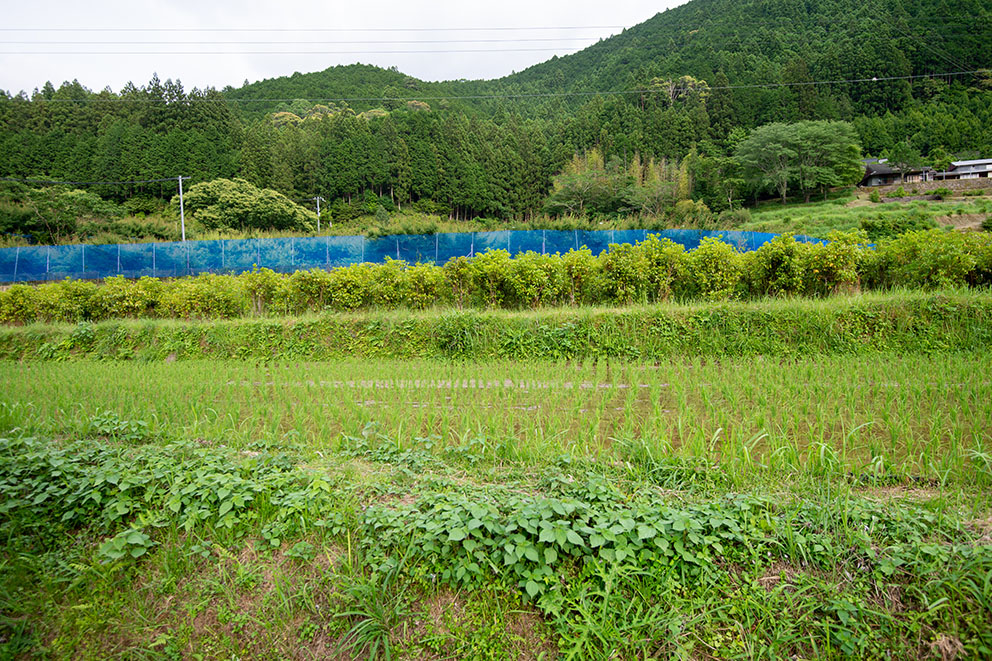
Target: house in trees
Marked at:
976, 169
879, 172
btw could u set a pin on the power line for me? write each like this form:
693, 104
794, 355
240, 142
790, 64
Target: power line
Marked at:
294, 41
300, 52
469, 29
88, 183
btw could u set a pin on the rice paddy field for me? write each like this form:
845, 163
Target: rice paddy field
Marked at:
685, 506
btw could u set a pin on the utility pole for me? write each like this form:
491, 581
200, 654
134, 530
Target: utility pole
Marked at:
318, 200
182, 208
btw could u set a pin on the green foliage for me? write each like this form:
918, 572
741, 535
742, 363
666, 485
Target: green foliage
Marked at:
490, 278
890, 226
932, 258
667, 267
716, 269
808, 155
52, 214
625, 272
651, 271
237, 204
128, 493
778, 267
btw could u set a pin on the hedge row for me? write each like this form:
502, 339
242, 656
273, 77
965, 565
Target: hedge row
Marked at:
651, 271
900, 322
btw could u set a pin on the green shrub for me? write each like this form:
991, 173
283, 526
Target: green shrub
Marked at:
943, 193
389, 283
583, 277
885, 227
666, 267
931, 258
875, 197
427, 285
261, 285
537, 280
65, 301
490, 278
980, 247
733, 219
716, 269
205, 296
835, 266
19, 304
310, 290
695, 215
778, 267
625, 270
351, 287
459, 276
119, 297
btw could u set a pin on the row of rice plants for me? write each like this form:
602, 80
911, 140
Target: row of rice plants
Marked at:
879, 417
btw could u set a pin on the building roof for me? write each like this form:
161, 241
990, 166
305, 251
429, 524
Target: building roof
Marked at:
979, 161
880, 168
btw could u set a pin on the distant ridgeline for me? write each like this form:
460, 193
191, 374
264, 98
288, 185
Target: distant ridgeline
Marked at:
680, 91
134, 260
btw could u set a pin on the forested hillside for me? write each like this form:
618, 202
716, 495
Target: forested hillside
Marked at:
677, 93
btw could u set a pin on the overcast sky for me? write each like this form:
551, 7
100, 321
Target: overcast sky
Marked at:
130, 29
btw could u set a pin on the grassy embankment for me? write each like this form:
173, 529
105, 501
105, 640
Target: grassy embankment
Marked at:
812, 480
901, 321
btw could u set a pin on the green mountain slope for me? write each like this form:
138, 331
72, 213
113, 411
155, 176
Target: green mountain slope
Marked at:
756, 42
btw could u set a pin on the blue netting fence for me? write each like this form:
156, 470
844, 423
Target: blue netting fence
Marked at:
169, 260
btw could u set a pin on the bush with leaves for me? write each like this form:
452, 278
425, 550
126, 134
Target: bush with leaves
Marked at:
934, 258
836, 265
583, 276
427, 285
666, 264
716, 270
206, 296
120, 297
490, 278
66, 301
237, 204
885, 227
778, 268
350, 286
458, 274
625, 273
537, 280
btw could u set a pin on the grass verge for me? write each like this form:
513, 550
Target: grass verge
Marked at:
899, 322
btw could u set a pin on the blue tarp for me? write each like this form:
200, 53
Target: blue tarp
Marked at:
133, 260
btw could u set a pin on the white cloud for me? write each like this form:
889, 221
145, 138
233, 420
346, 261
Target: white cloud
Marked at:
119, 21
